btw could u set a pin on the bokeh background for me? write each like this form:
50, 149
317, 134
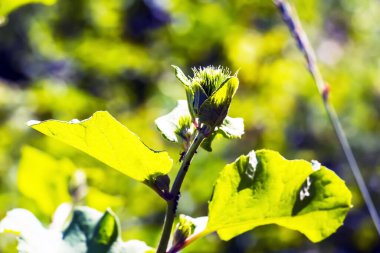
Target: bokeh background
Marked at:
75, 57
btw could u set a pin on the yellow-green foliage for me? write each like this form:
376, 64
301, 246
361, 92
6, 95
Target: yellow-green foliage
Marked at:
79, 57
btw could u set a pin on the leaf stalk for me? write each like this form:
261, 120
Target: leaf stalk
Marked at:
175, 191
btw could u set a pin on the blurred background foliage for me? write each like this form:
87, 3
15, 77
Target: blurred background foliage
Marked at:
75, 57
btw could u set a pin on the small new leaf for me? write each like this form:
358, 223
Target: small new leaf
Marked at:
177, 125
231, 128
265, 188
107, 140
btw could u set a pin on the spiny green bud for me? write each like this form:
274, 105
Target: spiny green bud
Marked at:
185, 228
185, 129
209, 93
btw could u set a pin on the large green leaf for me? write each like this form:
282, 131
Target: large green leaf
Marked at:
6, 6
106, 139
264, 188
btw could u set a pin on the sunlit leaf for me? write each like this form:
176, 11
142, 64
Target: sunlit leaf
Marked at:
106, 139
264, 188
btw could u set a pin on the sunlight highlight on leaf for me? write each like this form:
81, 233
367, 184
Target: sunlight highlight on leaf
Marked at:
106, 139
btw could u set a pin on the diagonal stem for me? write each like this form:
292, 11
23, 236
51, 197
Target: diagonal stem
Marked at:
294, 25
175, 192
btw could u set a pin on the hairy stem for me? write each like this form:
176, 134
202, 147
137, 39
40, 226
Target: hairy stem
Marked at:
294, 25
175, 192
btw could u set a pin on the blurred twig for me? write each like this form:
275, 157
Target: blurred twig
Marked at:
294, 25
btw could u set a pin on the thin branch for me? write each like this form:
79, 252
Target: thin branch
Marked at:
175, 192
294, 25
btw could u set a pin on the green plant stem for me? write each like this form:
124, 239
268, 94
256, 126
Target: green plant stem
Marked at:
295, 27
175, 192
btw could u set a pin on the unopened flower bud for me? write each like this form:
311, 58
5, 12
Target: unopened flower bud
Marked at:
209, 93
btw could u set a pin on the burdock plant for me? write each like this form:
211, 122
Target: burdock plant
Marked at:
256, 189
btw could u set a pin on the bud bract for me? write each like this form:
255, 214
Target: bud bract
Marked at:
209, 93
